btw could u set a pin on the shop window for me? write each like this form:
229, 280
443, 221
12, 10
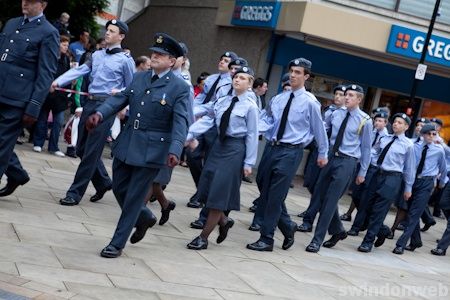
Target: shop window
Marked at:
435, 109
395, 102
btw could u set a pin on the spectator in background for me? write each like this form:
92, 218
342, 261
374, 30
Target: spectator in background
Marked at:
55, 102
79, 47
142, 63
198, 88
101, 44
260, 89
127, 50
62, 24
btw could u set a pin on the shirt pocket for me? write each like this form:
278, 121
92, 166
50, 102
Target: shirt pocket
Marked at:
238, 117
161, 105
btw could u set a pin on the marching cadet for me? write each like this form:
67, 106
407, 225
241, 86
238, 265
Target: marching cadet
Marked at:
430, 162
312, 171
444, 242
110, 70
360, 193
212, 85
225, 90
29, 48
350, 141
291, 122
233, 153
395, 161
153, 136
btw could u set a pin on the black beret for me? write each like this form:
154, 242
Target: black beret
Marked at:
422, 120
166, 44
381, 114
238, 62
285, 79
339, 87
427, 128
402, 116
300, 62
246, 70
380, 109
355, 87
123, 27
437, 121
230, 54
185, 48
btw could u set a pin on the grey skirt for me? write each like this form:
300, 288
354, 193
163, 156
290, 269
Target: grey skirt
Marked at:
221, 177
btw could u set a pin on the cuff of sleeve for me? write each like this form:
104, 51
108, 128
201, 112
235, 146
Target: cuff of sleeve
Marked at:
190, 137
176, 148
33, 108
100, 114
408, 188
362, 173
248, 166
322, 155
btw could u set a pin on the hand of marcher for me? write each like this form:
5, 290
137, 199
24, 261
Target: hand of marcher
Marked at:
28, 120
247, 171
322, 162
92, 121
407, 195
360, 180
53, 86
172, 160
192, 144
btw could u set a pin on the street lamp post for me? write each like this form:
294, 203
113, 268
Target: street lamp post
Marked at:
422, 59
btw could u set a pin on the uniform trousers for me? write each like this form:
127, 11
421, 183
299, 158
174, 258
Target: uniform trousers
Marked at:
333, 181
278, 166
312, 170
360, 197
386, 189
130, 186
444, 242
421, 192
10, 129
90, 149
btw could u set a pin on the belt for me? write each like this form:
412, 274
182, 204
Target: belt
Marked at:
286, 145
98, 97
389, 173
342, 155
425, 177
4, 56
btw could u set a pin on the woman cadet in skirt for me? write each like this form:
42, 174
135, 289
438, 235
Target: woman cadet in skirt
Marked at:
233, 152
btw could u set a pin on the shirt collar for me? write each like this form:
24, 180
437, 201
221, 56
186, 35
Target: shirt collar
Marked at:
160, 75
298, 92
113, 47
31, 19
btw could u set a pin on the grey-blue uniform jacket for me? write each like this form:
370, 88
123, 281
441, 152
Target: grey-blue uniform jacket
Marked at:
158, 121
28, 61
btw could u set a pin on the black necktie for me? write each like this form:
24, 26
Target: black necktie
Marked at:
340, 135
385, 150
422, 160
376, 137
225, 120
154, 78
418, 139
284, 117
114, 51
211, 91
25, 21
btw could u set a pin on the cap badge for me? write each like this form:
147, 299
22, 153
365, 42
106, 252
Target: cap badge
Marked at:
296, 62
227, 53
114, 22
354, 87
404, 116
245, 69
160, 39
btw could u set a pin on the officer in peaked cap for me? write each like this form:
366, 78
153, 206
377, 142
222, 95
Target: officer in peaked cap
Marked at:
29, 48
153, 137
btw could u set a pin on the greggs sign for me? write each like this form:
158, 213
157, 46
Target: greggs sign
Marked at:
409, 42
256, 13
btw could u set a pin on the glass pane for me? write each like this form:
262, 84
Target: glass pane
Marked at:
389, 4
424, 9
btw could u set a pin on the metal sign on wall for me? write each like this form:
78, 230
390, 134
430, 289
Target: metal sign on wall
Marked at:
409, 42
256, 13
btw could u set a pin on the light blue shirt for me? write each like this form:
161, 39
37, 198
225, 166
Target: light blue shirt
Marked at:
107, 72
199, 107
191, 93
243, 123
77, 50
373, 152
399, 158
434, 161
304, 121
357, 140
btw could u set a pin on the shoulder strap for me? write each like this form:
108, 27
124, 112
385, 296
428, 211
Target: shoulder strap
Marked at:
363, 122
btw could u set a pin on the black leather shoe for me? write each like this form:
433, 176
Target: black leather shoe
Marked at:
247, 179
353, 232
99, 195
166, 212
427, 226
335, 238
380, 241
291, 186
346, 217
223, 230
413, 247
255, 227
140, 231
111, 251
304, 228
302, 214
194, 204
400, 227
197, 224
289, 239
252, 208
313, 248
438, 252
198, 244
9, 188
398, 250
68, 201
390, 236
364, 248
260, 246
